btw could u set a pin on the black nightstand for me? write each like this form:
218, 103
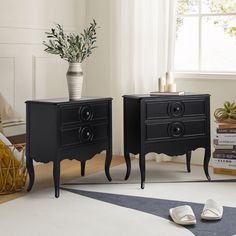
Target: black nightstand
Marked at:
58, 129
173, 125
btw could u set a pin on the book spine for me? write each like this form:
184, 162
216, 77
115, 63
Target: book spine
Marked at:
166, 93
226, 136
224, 163
223, 171
225, 147
226, 131
224, 155
225, 151
225, 141
226, 126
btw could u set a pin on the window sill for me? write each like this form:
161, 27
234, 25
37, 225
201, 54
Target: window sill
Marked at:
205, 76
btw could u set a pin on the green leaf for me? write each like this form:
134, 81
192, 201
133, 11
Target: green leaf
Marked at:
71, 47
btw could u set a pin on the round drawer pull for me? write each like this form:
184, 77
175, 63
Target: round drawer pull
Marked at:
176, 109
86, 113
86, 134
176, 129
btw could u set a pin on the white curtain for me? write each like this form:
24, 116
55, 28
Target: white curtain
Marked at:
142, 50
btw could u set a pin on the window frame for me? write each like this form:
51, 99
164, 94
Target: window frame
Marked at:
202, 74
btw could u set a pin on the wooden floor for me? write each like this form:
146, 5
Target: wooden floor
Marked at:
69, 171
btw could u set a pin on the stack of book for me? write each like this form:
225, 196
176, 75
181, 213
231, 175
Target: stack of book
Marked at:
224, 156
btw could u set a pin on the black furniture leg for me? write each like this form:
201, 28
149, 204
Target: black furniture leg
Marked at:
107, 164
128, 165
109, 148
142, 170
207, 157
30, 169
82, 164
56, 177
188, 160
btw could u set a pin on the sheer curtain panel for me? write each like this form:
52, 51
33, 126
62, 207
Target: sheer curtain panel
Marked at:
142, 50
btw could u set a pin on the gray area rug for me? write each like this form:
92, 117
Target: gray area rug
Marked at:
160, 207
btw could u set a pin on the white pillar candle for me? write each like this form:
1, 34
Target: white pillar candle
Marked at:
159, 84
169, 78
171, 87
162, 83
166, 88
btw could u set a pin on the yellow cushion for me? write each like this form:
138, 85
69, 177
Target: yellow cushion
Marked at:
1, 129
9, 167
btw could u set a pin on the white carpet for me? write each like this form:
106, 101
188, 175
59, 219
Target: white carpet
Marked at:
40, 214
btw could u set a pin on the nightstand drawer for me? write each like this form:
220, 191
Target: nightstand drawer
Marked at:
84, 134
84, 113
174, 109
175, 129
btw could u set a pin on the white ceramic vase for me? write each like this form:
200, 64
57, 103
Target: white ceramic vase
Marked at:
74, 77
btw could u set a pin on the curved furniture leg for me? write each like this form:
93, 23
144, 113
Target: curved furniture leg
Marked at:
56, 177
30, 169
108, 164
207, 157
82, 164
188, 160
109, 148
128, 165
142, 169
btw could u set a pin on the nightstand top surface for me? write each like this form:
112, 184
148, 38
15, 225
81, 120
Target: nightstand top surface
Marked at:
140, 96
65, 101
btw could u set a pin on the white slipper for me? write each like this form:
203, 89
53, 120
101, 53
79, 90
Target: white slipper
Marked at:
212, 210
183, 215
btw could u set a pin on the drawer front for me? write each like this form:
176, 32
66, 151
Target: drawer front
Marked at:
84, 113
175, 129
194, 107
174, 109
84, 134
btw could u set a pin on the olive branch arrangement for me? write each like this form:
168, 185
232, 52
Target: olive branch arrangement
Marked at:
71, 47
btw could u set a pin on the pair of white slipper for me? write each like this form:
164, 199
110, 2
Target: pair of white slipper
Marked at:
184, 215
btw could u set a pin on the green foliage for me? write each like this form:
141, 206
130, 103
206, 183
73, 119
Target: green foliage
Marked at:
71, 47
182, 7
225, 6
222, 6
215, 6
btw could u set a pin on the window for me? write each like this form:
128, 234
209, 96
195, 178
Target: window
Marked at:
206, 36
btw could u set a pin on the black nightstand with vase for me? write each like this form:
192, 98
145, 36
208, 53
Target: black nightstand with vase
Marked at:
58, 129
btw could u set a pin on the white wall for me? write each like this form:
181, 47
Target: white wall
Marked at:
26, 71
98, 64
